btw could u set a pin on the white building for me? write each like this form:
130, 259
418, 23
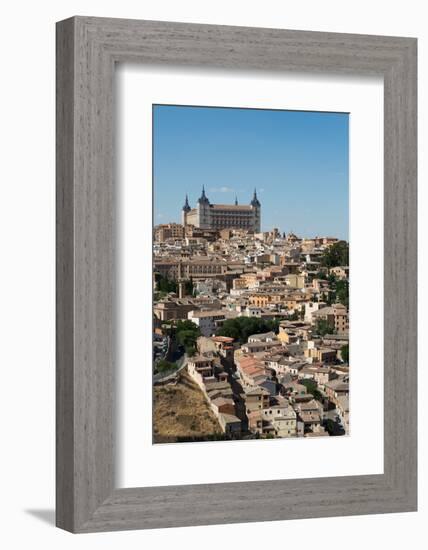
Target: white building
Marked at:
207, 321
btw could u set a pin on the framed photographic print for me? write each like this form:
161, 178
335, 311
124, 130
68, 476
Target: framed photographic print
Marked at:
236, 274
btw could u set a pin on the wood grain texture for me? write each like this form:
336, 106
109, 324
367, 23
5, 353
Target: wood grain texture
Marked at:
87, 49
64, 276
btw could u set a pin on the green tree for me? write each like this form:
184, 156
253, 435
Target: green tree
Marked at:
186, 334
338, 291
329, 426
190, 351
344, 352
164, 284
331, 298
231, 329
323, 327
336, 254
332, 279
187, 338
164, 366
342, 292
186, 325
311, 385
293, 316
312, 388
159, 295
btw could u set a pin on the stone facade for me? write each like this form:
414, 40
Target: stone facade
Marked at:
223, 216
167, 231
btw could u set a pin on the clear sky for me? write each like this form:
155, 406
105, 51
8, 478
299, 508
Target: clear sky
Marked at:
298, 161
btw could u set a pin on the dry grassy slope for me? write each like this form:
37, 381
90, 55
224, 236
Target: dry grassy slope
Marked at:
180, 410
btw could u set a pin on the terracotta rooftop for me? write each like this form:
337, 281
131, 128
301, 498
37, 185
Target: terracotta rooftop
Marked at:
224, 339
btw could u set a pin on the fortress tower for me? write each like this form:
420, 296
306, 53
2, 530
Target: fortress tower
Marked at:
184, 211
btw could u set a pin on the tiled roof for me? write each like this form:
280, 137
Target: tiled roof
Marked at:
242, 207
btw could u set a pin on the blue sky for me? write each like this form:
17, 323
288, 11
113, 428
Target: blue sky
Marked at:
298, 161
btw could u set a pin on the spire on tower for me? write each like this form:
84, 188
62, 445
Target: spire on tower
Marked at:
236, 200
186, 207
255, 201
203, 198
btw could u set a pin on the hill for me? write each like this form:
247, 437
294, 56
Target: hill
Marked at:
181, 412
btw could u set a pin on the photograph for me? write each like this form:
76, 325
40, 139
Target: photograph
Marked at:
250, 274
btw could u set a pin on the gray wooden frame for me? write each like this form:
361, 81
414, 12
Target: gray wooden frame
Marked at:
87, 50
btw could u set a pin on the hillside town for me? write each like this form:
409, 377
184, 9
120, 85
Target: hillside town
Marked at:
257, 322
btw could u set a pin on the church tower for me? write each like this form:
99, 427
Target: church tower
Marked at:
184, 211
256, 206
